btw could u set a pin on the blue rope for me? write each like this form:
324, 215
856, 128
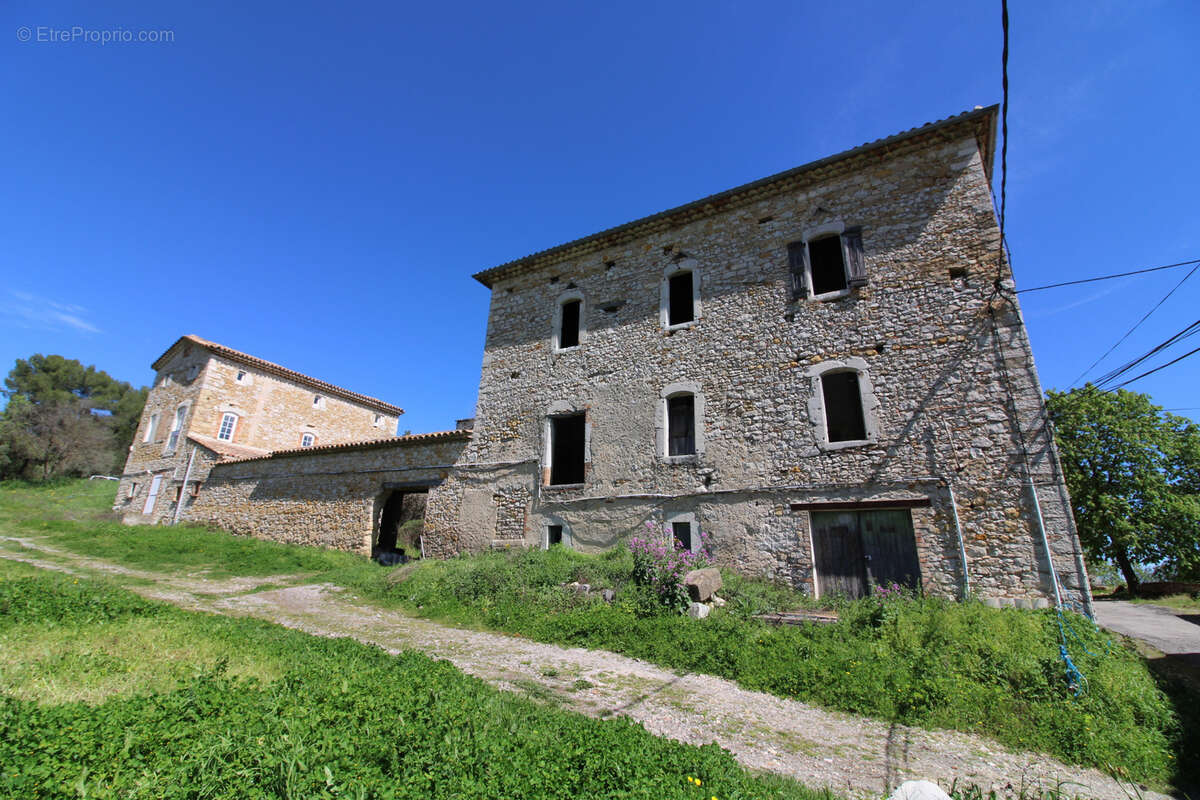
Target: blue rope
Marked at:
1075, 679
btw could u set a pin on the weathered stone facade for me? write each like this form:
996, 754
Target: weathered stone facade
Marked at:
332, 497
201, 386
701, 370
932, 329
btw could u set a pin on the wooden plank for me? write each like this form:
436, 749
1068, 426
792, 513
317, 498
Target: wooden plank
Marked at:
854, 505
890, 548
838, 555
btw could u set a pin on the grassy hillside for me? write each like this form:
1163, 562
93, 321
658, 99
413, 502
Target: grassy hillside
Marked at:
918, 661
105, 695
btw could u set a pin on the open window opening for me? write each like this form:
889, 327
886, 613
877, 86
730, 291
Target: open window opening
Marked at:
554, 535
828, 265
681, 530
681, 425
680, 291
844, 420
567, 443
228, 426
401, 525
568, 329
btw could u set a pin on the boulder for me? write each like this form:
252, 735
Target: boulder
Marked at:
918, 790
702, 583
609, 595
699, 610
718, 602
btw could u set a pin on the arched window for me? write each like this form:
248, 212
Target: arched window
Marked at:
307, 440
681, 421
228, 426
569, 321
843, 405
679, 303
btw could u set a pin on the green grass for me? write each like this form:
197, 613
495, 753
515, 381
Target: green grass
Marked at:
259, 711
925, 662
1178, 602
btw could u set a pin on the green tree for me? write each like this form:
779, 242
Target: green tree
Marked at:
63, 418
1134, 475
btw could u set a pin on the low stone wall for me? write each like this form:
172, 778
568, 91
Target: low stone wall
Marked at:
327, 499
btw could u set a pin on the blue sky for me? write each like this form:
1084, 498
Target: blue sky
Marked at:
314, 183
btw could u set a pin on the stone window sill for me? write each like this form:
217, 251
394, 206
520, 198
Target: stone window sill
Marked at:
681, 326
563, 486
691, 458
571, 349
847, 444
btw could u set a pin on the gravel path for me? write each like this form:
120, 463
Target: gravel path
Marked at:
854, 755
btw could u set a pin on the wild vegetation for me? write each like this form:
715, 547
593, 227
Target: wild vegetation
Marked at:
920, 661
252, 710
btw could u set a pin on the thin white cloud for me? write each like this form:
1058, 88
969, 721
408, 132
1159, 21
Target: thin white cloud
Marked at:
30, 311
1049, 312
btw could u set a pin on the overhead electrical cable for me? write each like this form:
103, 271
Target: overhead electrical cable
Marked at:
1105, 381
1156, 369
1138, 324
1108, 277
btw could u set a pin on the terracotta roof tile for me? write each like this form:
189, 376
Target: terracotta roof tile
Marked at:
980, 121
282, 372
227, 450
369, 444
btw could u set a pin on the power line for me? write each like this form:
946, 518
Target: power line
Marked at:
1004, 139
1136, 325
1109, 277
1113, 375
1156, 369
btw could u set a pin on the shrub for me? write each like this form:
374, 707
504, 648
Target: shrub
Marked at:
661, 563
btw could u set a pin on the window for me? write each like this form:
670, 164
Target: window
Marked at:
567, 438
318, 401
178, 493
176, 427
195, 491
682, 532
843, 407
241, 376
681, 425
307, 440
554, 535
680, 309
133, 487
568, 329
228, 425
151, 428
828, 262
378, 420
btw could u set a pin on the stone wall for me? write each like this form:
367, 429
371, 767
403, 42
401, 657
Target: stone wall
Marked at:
273, 414
953, 396
330, 498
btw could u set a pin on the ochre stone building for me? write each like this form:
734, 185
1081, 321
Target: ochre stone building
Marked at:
822, 375
210, 403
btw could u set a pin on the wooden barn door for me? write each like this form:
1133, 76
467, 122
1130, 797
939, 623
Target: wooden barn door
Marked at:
838, 553
854, 551
889, 548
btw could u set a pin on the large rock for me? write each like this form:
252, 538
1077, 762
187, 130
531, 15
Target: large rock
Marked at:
698, 610
919, 790
702, 583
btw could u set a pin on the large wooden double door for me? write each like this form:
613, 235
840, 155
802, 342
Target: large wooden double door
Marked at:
854, 551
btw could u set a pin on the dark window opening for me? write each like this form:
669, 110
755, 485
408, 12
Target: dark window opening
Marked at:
553, 535
681, 425
682, 532
680, 307
566, 449
843, 407
568, 331
828, 265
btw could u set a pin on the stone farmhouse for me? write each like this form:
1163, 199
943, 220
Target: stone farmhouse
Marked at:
823, 376
210, 403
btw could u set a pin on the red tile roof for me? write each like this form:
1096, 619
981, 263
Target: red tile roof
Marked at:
281, 372
227, 450
369, 444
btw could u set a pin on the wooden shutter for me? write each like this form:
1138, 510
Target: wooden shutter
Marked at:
856, 268
798, 269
